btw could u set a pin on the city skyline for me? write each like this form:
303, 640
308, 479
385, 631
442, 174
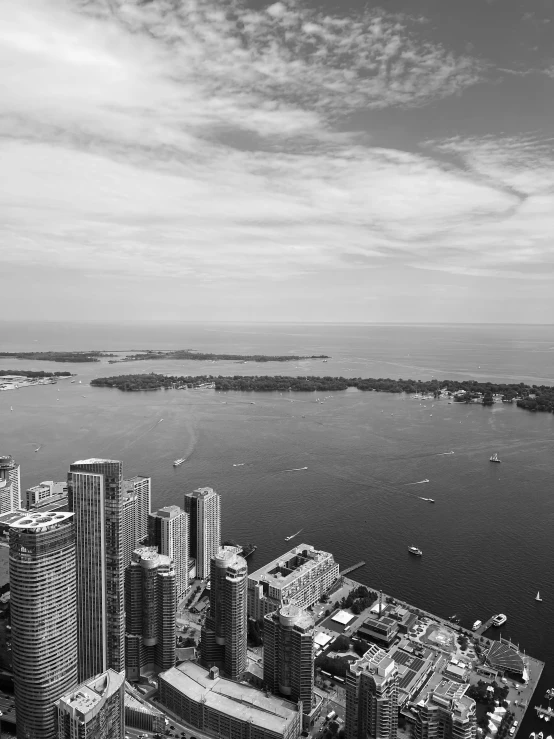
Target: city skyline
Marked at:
373, 162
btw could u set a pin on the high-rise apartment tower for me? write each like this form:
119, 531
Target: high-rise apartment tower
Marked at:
150, 603
168, 529
136, 508
204, 509
289, 654
95, 496
372, 697
44, 618
94, 709
10, 484
225, 628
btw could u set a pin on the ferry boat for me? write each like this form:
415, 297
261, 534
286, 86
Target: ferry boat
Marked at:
476, 625
499, 619
494, 458
415, 550
178, 461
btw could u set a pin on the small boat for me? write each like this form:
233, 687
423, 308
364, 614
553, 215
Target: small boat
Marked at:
179, 461
415, 550
532, 735
476, 625
538, 596
540, 735
494, 458
11, 407
546, 718
430, 500
288, 538
499, 619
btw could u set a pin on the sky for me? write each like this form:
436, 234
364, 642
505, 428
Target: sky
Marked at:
175, 160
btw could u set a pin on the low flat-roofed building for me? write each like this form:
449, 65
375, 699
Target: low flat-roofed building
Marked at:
301, 576
209, 702
382, 631
47, 495
342, 617
322, 639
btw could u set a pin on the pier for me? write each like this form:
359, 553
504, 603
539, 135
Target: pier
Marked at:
484, 627
542, 712
351, 569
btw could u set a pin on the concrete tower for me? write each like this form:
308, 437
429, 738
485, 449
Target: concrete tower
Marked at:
372, 697
289, 654
225, 628
44, 618
10, 485
95, 496
168, 529
204, 509
150, 603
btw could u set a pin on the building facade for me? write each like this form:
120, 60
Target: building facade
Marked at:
204, 509
372, 697
226, 709
95, 709
224, 632
43, 617
289, 654
150, 603
445, 712
10, 484
47, 496
300, 576
168, 529
136, 509
95, 496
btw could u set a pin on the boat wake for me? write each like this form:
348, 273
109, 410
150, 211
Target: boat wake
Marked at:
239, 464
296, 469
420, 482
444, 454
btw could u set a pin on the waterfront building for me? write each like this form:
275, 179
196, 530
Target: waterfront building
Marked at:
382, 630
289, 654
227, 709
136, 509
150, 603
10, 484
168, 529
299, 576
372, 697
43, 595
445, 711
95, 709
204, 508
95, 496
224, 633
47, 496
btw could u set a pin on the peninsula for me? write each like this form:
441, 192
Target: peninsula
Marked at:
529, 397
56, 356
184, 354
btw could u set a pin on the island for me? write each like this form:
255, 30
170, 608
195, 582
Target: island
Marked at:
33, 373
57, 356
529, 397
184, 354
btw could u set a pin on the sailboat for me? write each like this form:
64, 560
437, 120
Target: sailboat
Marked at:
494, 458
538, 596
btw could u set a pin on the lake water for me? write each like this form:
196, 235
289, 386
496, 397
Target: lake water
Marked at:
487, 541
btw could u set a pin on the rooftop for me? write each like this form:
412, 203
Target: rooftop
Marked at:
96, 460
238, 700
343, 617
39, 520
7, 462
86, 696
168, 511
291, 565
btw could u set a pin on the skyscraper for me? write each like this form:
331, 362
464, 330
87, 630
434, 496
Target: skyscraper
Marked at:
150, 602
44, 618
94, 709
289, 654
372, 697
168, 529
204, 509
225, 628
136, 508
10, 484
95, 496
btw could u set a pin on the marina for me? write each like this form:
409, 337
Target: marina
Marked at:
491, 622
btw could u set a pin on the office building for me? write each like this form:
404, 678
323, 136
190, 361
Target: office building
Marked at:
372, 697
204, 509
47, 496
224, 708
43, 617
289, 654
136, 508
95, 709
168, 529
444, 711
10, 484
150, 603
95, 496
223, 638
300, 576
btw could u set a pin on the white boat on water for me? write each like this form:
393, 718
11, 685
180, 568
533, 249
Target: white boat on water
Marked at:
476, 625
532, 735
415, 551
500, 619
288, 538
494, 458
538, 596
179, 461
540, 735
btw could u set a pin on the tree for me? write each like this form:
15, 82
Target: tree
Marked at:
341, 644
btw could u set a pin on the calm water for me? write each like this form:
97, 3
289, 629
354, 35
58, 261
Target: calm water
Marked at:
487, 541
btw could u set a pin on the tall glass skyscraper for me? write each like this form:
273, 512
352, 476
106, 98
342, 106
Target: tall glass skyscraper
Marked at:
95, 496
44, 618
204, 509
168, 529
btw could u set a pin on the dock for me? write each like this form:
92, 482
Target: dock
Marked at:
351, 569
484, 627
542, 712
